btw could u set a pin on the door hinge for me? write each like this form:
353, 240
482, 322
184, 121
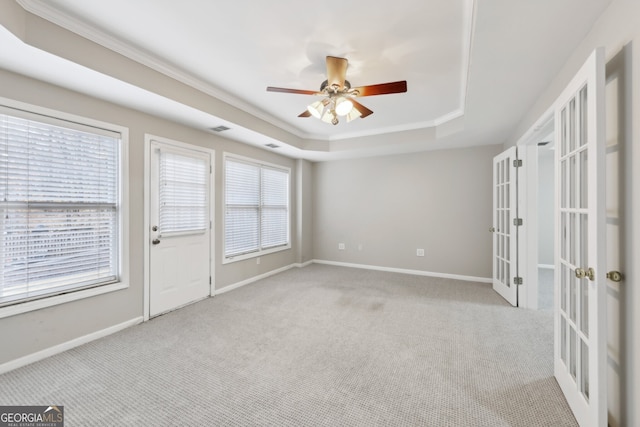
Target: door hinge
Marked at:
210, 168
209, 279
517, 221
210, 225
517, 163
517, 280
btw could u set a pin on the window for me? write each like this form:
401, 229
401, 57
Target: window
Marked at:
256, 208
183, 198
60, 230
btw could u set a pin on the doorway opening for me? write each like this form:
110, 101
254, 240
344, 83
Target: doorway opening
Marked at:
536, 203
546, 222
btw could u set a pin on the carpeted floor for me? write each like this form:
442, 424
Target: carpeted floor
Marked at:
317, 346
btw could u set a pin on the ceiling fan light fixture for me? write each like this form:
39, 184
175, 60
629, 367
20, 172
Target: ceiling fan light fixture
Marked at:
353, 114
343, 106
316, 109
327, 117
339, 95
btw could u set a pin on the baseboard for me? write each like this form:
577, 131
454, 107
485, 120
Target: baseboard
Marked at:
253, 279
304, 264
407, 271
547, 266
56, 349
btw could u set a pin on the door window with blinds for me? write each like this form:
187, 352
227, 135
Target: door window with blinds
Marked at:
59, 195
256, 217
183, 194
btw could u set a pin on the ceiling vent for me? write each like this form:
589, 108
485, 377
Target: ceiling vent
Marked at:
272, 145
220, 128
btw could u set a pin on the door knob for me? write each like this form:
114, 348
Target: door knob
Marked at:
589, 273
492, 229
614, 276
155, 241
154, 228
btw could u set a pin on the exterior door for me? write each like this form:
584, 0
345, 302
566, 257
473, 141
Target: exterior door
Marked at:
179, 255
580, 318
505, 248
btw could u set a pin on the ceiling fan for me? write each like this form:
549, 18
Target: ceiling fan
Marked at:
339, 95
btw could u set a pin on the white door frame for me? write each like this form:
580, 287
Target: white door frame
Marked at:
147, 211
528, 208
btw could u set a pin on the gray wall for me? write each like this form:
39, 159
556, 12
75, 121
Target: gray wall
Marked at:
545, 206
305, 211
618, 30
34, 331
384, 208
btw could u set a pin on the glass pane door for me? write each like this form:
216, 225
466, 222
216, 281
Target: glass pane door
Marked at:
580, 320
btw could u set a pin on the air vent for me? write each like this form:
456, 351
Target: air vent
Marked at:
272, 145
220, 128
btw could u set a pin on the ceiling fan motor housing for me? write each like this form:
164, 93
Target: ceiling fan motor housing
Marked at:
325, 83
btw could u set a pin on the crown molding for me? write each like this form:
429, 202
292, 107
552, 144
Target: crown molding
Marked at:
45, 11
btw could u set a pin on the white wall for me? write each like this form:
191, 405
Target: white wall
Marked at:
384, 208
618, 30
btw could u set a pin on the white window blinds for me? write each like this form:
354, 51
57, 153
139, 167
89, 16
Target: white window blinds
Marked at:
184, 203
60, 213
275, 208
256, 207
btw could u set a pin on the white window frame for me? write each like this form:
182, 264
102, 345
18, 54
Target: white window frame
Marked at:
22, 109
260, 252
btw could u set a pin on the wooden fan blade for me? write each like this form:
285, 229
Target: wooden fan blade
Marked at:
364, 111
298, 91
305, 113
381, 89
336, 71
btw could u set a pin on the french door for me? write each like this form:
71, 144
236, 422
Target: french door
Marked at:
180, 222
505, 247
580, 318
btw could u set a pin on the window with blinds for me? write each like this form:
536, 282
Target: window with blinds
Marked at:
183, 198
59, 195
256, 208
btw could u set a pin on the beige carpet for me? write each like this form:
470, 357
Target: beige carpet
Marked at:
318, 346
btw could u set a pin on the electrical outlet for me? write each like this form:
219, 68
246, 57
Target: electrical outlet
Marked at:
341, 246
419, 252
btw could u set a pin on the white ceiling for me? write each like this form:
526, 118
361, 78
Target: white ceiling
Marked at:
473, 67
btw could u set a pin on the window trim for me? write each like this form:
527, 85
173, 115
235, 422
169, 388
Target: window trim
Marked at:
259, 252
21, 109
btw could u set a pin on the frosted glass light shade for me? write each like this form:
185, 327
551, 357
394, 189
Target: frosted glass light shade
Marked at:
353, 114
343, 107
316, 109
328, 116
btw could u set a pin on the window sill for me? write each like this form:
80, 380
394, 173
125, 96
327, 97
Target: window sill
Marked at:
242, 257
19, 308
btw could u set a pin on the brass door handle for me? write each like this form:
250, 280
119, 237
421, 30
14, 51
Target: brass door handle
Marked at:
156, 241
614, 276
589, 273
